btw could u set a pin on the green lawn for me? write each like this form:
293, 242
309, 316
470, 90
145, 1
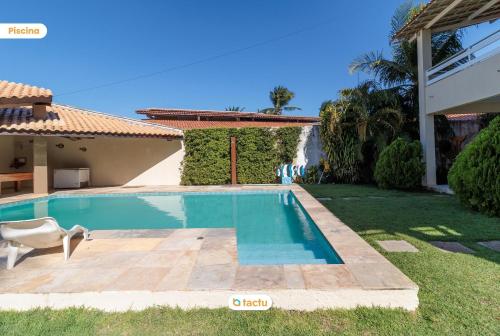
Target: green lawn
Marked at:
459, 294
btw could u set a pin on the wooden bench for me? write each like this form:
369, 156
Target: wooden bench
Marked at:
15, 177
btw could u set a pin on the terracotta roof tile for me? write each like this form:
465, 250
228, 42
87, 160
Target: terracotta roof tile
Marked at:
62, 119
16, 93
199, 124
462, 117
172, 112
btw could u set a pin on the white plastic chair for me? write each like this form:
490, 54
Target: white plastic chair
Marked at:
37, 233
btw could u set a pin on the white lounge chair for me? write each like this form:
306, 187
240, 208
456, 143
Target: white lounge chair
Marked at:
37, 233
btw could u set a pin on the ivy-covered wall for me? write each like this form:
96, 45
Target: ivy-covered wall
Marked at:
207, 157
287, 139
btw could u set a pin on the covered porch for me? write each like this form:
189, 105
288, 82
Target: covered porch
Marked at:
38, 137
23, 167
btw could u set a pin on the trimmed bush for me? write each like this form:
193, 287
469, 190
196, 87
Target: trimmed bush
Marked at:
207, 157
475, 174
400, 165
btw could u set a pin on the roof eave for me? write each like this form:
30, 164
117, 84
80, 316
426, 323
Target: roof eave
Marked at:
87, 134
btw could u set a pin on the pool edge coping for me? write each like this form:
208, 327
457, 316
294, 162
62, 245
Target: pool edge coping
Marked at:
369, 267
288, 299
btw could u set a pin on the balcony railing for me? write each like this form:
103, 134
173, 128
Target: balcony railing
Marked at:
477, 52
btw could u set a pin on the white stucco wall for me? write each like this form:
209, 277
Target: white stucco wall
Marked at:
309, 150
119, 161
476, 83
6, 152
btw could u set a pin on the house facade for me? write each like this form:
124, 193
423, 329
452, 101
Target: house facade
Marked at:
466, 83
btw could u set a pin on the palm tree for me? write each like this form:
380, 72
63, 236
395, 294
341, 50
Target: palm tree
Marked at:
401, 72
356, 127
371, 112
235, 108
280, 96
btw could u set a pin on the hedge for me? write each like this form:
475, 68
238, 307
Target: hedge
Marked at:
287, 140
475, 174
207, 158
257, 156
400, 165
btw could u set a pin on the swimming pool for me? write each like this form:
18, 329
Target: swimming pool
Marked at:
271, 226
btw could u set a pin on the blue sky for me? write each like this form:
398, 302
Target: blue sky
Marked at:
92, 42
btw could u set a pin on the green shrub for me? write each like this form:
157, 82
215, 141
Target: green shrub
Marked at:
400, 165
312, 175
257, 156
346, 161
207, 158
475, 175
287, 139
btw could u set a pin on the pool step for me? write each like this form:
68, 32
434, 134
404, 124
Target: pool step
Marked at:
277, 254
276, 247
277, 261
263, 254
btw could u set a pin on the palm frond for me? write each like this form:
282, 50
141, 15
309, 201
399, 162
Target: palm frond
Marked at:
401, 17
267, 110
446, 44
389, 72
235, 108
291, 108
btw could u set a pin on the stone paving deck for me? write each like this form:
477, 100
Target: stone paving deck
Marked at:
135, 269
492, 245
454, 247
397, 246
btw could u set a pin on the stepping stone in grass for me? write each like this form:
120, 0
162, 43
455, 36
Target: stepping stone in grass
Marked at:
397, 246
324, 198
493, 245
452, 247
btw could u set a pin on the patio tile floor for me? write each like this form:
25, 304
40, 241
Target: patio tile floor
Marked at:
294, 278
258, 277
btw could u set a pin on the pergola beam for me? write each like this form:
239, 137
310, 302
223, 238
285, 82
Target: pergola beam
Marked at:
466, 23
443, 13
481, 10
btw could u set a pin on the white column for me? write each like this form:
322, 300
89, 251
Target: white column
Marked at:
426, 121
40, 172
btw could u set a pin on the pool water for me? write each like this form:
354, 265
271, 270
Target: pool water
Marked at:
271, 227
